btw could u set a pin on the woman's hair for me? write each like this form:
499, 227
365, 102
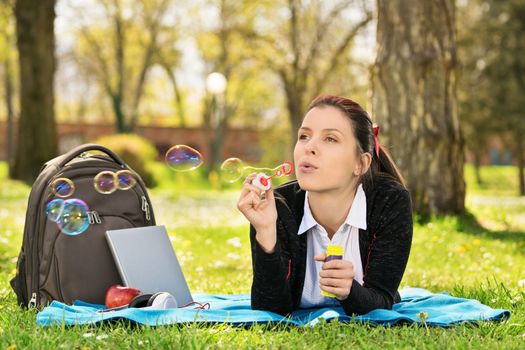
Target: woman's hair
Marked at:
364, 134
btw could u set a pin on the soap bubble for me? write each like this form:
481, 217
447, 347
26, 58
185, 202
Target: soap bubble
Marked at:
105, 182
183, 158
125, 180
74, 219
232, 169
62, 187
54, 209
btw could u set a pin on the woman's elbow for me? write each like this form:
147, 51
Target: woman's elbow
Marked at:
277, 309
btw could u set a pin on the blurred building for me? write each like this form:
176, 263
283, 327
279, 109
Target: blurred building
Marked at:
241, 143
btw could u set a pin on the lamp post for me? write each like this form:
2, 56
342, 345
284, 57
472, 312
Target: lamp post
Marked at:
216, 85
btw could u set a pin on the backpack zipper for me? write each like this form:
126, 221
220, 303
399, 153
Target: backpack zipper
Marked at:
145, 208
32, 301
93, 217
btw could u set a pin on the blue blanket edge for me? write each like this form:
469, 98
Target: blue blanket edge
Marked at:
85, 313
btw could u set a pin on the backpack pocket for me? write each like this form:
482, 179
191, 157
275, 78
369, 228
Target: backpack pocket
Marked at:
18, 282
82, 266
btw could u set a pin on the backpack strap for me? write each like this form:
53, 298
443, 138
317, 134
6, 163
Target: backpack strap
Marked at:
77, 151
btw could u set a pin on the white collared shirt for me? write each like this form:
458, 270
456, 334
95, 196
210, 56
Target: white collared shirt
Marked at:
346, 236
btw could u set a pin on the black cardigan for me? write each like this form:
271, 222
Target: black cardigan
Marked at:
278, 277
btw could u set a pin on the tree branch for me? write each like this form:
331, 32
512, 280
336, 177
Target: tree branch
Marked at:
97, 50
321, 30
153, 23
321, 82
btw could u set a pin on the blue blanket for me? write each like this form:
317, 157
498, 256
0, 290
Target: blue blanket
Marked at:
416, 306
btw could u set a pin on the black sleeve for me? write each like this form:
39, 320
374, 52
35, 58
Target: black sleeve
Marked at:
387, 256
271, 284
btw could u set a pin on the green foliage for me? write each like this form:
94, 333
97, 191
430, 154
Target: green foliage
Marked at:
492, 80
136, 151
120, 47
227, 48
479, 257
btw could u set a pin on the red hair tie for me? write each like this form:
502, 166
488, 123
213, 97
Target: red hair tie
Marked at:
376, 140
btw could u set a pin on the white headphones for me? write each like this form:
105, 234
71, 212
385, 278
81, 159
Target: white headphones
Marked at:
157, 301
160, 301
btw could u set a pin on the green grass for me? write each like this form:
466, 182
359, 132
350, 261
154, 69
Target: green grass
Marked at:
478, 256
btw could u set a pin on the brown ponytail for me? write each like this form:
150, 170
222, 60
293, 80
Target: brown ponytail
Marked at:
362, 126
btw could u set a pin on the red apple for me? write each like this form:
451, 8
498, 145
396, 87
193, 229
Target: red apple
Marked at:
119, 296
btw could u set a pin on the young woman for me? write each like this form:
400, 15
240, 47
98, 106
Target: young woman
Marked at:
348, 192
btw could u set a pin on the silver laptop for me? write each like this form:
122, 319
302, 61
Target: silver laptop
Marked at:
146, 260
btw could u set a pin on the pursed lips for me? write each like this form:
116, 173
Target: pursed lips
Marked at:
307, 167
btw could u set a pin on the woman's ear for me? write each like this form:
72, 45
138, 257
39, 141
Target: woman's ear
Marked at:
364, 164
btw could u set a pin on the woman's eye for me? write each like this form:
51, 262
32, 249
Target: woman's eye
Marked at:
330, 139
303, 137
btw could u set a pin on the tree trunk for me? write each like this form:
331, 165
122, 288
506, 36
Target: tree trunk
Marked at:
37, 136
414, 100
216, 127
522, 177
477, 166
179, 103
120, 118
220, 125
217, 147
8, 85
294, 104
520, 152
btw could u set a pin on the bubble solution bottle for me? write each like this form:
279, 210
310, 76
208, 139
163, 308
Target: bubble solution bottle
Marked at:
333, 252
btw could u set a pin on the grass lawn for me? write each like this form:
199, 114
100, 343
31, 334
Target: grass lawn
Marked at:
480, 256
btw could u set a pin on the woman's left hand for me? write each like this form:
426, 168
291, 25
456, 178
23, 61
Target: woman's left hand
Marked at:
336, 277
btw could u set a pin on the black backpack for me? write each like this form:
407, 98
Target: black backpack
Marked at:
55, 266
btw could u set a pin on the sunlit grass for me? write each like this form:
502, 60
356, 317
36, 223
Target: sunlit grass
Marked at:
480, 256
496, 180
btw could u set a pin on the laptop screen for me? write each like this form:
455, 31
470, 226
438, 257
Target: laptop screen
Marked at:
146, 260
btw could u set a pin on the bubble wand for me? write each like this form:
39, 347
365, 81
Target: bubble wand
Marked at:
232, 171
263, 181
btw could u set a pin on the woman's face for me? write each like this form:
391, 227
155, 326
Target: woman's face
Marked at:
325, 155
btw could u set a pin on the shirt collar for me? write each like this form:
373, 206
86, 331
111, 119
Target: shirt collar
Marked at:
356, 216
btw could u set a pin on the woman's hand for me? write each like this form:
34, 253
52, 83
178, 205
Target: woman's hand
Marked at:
261, 213
336, 277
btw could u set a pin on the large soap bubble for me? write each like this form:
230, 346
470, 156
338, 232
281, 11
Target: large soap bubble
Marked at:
183, 158
74, 219
232, 169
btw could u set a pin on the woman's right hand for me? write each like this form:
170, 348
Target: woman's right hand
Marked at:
261, 213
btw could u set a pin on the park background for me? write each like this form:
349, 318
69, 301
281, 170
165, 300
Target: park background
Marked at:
445, 81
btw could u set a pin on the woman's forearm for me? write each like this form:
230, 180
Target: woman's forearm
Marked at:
267, 239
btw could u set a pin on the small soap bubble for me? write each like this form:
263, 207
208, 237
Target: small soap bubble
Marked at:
62, 187
232, 169
183, 158
125, 180
105, 182
74, 219
54, 209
